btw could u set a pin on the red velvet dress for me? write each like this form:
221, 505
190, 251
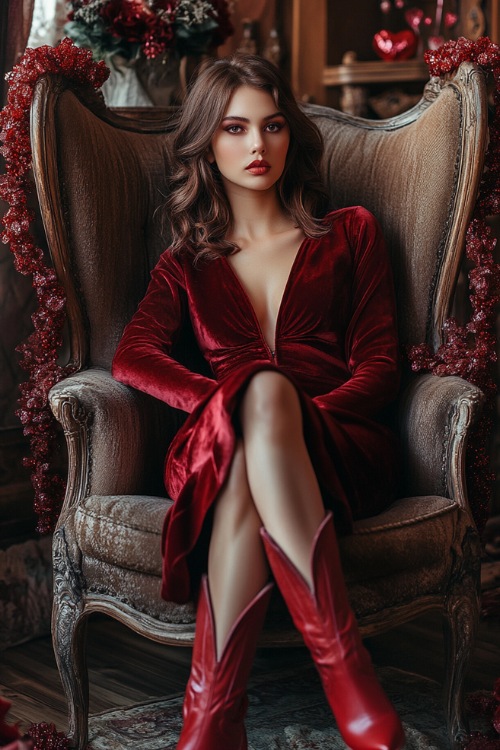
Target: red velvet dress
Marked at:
335, 340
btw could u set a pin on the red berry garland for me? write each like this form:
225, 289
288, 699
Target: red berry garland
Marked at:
40, 351
46, 737
470, 350
486, 705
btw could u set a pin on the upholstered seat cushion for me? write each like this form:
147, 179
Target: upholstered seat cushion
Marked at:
119, 536
412, 532
122, 533
123, 530
401, 553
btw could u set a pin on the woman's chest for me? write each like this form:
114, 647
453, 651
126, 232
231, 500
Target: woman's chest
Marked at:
315, 298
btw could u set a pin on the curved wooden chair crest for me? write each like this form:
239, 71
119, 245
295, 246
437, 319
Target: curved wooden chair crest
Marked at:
100, 178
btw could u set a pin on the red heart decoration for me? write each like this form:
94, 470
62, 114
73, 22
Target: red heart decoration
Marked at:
414, 17
400, 45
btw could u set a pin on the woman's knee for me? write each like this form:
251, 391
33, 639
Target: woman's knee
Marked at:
272, 402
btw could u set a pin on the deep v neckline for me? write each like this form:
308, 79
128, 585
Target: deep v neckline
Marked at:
270, 349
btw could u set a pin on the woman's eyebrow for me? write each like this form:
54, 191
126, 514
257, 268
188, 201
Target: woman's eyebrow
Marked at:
245, 119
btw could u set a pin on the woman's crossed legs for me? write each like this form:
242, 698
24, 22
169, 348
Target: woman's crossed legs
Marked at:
270, 513
271, 483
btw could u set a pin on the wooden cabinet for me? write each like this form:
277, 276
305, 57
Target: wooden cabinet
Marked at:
306, 28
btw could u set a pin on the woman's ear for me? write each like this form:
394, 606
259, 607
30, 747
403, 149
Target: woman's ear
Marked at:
210, 155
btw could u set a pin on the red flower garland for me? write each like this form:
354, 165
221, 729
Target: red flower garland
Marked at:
40, 351
470, 350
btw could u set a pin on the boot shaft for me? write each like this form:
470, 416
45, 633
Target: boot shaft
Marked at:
323, 615
215, 703
365, 716
220, 682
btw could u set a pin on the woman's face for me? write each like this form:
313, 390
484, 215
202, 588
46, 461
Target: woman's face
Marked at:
251, 143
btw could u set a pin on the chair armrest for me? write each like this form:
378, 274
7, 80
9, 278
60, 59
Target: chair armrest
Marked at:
435, 417
116, 436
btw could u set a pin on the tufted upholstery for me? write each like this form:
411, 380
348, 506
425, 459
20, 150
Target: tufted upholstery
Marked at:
100, 178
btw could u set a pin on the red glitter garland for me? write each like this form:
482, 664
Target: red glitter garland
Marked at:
486, 705
40, 351
45, 736
39, 737
470, 350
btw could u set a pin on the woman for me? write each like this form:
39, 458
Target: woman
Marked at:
295, 316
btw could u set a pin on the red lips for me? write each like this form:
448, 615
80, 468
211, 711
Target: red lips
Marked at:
259, 163
258, 168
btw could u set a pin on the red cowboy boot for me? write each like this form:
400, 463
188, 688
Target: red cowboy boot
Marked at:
365, 717
215, 703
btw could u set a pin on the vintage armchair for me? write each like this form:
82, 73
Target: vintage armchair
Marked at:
100, 176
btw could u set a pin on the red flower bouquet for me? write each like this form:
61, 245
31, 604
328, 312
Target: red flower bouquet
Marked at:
150, 28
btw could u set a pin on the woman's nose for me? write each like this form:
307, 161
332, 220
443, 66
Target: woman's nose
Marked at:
258, 144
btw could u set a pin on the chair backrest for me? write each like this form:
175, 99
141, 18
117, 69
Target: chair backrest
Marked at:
100, 179
101, 176
419, 173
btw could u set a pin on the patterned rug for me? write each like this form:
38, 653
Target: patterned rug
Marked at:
287, 712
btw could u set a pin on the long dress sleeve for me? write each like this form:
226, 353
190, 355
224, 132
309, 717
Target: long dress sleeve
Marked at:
143, 357
371, 341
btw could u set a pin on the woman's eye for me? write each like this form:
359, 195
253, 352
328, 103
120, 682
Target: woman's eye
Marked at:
274, 127
233, 129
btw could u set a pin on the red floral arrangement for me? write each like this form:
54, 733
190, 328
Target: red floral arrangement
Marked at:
148, 27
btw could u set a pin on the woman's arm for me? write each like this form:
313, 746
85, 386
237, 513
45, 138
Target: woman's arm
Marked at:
143, 357
371, 342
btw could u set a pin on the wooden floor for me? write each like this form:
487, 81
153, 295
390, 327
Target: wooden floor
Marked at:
127, 669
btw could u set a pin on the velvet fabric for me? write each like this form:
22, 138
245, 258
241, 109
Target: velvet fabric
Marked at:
335, 340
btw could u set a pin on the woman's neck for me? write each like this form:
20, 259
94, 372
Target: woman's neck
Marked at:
256, 215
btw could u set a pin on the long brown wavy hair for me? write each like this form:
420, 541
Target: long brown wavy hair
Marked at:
197, 210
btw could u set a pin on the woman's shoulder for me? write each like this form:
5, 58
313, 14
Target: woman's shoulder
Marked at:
350, 215
170, 265
355, 229
355, 223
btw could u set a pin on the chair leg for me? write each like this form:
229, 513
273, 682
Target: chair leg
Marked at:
69, 635
461, 617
